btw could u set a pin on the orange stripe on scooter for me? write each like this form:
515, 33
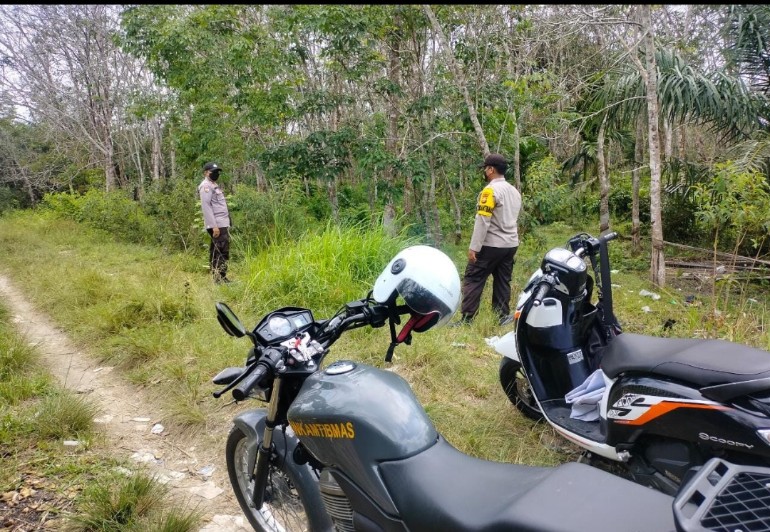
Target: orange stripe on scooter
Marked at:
664, 408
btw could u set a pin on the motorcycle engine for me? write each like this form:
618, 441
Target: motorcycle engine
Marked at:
336, 502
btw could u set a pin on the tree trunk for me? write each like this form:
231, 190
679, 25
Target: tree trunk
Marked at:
635, 178
456, 211
604, 181
516, 152
333, 200
657, 262
156, 149
432, 206
394, 76
172, 160
668, 140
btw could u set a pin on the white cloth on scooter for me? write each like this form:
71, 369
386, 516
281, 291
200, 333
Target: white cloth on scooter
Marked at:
585, 398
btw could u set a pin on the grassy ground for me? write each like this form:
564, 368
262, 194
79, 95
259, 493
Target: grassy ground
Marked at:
57, 472
152, 314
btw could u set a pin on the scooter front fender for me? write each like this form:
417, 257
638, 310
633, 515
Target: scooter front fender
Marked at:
506, 346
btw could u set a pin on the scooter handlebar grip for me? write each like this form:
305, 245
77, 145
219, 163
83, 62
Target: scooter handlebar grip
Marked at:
542, 291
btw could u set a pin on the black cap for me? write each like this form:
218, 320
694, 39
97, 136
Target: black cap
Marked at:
494, 159
211, 166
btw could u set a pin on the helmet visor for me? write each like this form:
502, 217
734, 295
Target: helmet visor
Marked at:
423, 301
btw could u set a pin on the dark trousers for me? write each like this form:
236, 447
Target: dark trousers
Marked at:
497, 262
219, 253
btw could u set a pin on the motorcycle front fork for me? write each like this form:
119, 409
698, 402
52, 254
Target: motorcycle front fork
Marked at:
262, 465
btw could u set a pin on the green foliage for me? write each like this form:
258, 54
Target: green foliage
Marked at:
175, 208
546, 196
20, 378
113, 212
734, 204
621, 200
679, 219
262, 219
11, 198
63, 416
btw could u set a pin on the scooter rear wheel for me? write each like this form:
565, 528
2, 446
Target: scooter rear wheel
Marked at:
516, 387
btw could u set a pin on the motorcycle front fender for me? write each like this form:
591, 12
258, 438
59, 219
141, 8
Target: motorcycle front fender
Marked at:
252, 424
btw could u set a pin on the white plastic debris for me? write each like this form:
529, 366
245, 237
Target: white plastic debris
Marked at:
157, 429
71, 443
647, 293
144, 456
646, 309
206, 471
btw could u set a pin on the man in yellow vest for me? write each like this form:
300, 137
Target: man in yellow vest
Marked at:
494, 242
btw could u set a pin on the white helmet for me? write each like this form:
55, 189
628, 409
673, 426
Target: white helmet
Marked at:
427, 280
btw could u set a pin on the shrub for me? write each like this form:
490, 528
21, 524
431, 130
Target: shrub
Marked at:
113, 212
546, 196
175, 207
267, 218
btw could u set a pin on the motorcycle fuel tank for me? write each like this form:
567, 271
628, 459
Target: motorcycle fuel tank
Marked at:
352, 416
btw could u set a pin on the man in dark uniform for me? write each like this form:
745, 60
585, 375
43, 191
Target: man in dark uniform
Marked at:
494, 242
216, 219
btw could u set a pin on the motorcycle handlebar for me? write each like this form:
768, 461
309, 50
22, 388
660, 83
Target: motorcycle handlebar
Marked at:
243, 389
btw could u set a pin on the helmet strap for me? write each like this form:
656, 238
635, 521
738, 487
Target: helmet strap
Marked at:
394, 318
405, 336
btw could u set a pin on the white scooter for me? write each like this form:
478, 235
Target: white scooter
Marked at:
655, 406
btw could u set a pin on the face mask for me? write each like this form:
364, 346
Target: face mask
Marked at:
214, 175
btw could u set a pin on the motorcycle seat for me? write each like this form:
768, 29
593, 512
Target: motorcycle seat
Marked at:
700, 362
444, 489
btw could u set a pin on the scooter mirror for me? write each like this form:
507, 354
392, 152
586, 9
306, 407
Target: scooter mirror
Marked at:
229, 321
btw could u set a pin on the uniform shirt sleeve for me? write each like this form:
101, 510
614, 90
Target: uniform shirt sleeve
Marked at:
206, 192
484, 208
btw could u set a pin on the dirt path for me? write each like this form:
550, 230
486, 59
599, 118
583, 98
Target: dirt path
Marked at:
194, 470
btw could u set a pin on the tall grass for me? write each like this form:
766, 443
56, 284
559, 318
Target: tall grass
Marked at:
136, 503
320, 271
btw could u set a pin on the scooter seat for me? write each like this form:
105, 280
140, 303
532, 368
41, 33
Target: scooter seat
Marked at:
700, 362
444, 489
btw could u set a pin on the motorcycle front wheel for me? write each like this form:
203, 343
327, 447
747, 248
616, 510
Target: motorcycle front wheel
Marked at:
284, 508
516, 387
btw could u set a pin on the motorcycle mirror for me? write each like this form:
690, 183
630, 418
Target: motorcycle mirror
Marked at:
229, 321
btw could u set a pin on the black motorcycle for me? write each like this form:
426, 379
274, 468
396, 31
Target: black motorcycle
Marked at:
349, 447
